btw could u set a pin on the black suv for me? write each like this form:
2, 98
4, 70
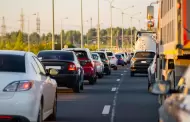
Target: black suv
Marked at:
141, 61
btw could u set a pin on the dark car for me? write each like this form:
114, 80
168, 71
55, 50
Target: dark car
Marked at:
70, 71
141, 61
105, 60
120, 59
85, 58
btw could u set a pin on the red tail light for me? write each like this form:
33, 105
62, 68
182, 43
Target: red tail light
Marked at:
5, 117
72, 67
113, 57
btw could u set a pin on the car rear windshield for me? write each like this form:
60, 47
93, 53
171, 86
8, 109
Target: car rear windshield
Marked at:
119, 56
81, 54
12, 63
109, 53
144, 55
56, 55
94, 56
102, 55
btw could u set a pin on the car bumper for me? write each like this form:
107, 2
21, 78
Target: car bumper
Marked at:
21, 106
99, 69
66, 80
142, 70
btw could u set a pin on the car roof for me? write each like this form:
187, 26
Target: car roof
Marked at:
98, 52
77, 49
13, 52
145, 51
55, 51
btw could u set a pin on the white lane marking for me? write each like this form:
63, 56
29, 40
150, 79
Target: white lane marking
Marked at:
125, 71
118, 79
121, 74
114, 89
106, 109
114, 103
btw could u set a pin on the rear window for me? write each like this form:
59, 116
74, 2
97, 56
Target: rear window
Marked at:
56, 55
119, 56
12, 63
102, 55
81, 54
109, 53
144, 55
94, 56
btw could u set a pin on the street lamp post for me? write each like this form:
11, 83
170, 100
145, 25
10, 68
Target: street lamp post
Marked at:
110, 2
98, 34
81, 25
53, 26
62, 32
122, 13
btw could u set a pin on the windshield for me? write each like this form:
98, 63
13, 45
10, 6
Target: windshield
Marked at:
56, 55
12, 63
81, 54
109, 53
144, 55
102, 55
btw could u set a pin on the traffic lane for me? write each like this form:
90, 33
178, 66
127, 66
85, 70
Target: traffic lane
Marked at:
89, 105
134, 103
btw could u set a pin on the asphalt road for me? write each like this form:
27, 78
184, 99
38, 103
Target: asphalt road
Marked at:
115, 98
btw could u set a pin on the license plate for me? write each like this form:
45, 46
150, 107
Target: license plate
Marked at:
53, 67
143, 62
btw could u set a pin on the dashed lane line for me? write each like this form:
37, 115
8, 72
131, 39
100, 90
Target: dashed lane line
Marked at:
106, 109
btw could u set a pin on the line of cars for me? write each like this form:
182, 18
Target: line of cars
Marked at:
29, 83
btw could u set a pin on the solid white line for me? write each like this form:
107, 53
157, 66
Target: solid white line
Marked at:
106, 109
114, 89
118, 79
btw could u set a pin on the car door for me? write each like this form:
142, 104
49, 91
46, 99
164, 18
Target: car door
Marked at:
48, 87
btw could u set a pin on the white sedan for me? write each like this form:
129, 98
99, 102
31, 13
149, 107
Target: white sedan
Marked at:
27, 93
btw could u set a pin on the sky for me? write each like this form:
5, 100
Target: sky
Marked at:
70, 9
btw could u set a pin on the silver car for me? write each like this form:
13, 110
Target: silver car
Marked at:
99, 64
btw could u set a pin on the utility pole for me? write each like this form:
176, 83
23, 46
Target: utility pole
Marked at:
53, 26
91, 22
3, 28
122, 31
22, 21
111, 24
81, 24
38, 23
98, 34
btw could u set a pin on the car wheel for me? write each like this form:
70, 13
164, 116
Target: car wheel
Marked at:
100, 75
132, 74
76, 88
40, 114
92, 81
123, 65
115, 68
52, 117
82, 86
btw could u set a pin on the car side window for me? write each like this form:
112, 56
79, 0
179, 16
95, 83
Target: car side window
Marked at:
41, 67
34, 65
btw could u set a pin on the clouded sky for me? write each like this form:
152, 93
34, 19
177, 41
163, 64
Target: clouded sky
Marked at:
11, 9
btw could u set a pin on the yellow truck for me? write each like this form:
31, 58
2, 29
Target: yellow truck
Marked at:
173, 33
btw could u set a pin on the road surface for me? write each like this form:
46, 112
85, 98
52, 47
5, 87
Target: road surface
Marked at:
115, 98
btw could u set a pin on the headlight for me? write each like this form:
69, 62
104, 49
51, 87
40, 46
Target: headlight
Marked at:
19, 86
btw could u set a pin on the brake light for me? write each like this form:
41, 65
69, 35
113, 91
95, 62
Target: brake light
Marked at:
19, 86
113, 57
5, 117
72, 67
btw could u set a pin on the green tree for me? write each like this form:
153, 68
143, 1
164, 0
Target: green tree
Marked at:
19, 42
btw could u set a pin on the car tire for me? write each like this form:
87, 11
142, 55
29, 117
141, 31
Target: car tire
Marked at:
109, 72
123, 65
100, 75
52, 117
82, 86
92, 81
132, 74
76, 88
115, 68
40, 113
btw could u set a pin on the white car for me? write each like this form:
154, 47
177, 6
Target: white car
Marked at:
27, 93
99, 64
113, 59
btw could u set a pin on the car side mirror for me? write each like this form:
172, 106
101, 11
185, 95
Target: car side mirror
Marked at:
52, 72
160, 88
